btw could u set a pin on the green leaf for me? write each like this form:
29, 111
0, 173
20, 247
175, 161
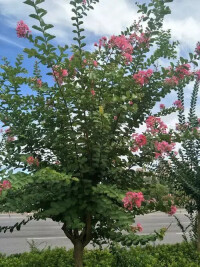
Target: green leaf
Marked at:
40, 38
29, 2
37, 2
48, 26
191, 56
50, 37
37, 28
195, 63
34, 16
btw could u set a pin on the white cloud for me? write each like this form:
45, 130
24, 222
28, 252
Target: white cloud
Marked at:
107, 18
110, 17
184, 22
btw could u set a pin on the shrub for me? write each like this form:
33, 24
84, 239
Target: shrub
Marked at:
150, 256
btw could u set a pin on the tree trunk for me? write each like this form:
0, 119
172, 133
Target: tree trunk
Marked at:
78, 253
198, 231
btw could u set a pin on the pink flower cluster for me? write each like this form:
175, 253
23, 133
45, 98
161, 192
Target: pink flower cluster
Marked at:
178, 104
39, 83
10, 138
93, 92
155, 125
163, 148
182, 71
162, 106
102, 42
173, 81
172, 210
139, 227
32, 161
22, 29
142, 77
133, 198
197, 49
136, 228
95, 63
59, 74
179, 74
198, 75
5, 185
140, 39
139, 141
122, 43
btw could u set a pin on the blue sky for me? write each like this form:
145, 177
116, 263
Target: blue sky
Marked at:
109, 17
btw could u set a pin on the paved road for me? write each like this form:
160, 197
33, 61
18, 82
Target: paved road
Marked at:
48, 233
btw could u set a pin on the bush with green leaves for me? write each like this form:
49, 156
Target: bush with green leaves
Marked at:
158, 256
70, 138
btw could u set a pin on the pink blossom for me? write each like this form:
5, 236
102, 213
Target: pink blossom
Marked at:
32, 161
102, 42
162, 106
157, 155
198, 75
134, 148
178, 104
155, 125
59, 74
95, 63
139, 227
128, 57
85, 61
133, 198
95, 44
197, 49
142, 77
64, 73
57, 162
10, 138
142, 38
22, 29
173, 210
140, 139
182, 71
39, 83
71, 58
122, 43
84, 2
6, 184
115, 118
93, 92
163, 148
198, 120
130, 103
173, 81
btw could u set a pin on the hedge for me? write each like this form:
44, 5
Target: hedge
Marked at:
150, 256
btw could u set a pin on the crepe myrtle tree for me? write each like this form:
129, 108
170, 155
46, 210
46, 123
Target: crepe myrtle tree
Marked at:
70, 138
183, 169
